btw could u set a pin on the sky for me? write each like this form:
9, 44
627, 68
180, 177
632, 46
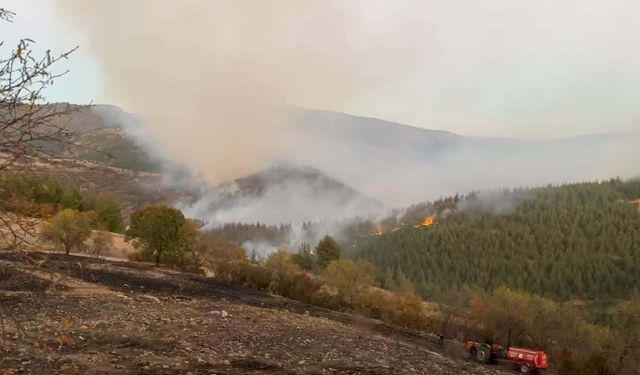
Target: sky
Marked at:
37, 20
507, 68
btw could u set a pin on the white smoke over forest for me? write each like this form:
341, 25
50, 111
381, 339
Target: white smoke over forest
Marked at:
218, 85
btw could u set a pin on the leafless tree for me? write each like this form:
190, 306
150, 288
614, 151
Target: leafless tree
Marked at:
6, 15
30, 127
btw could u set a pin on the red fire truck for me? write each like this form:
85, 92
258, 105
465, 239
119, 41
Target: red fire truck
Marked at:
524, 360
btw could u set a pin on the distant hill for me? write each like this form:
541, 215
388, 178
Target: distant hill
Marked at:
101, 131
394, 163
276, 177
401, 164
373, 133
281, 194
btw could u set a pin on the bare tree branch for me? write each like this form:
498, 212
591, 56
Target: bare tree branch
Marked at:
6, 15
31, 128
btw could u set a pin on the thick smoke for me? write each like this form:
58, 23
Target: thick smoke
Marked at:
215, 82
213, 77
285, 202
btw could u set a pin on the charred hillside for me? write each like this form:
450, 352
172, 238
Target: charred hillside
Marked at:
121, 318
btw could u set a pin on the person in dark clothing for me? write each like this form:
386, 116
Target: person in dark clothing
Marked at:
441, 341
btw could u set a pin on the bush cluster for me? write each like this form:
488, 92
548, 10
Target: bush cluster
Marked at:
43, 196
337, 284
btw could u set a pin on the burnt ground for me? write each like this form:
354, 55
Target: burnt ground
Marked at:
77, 315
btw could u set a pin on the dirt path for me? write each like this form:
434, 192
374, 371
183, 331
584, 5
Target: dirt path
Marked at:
146, 320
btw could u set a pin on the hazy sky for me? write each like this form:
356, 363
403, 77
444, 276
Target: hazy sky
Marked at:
537, 69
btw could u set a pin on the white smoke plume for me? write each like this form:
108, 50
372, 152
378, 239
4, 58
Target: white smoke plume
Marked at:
213, 77
499, 202
215, 82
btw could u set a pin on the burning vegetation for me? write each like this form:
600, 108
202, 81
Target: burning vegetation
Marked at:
426, 222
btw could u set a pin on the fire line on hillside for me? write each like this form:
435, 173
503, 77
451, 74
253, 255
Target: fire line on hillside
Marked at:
427, 222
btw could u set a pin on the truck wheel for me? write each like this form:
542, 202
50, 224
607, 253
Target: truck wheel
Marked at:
472, 353
483, 355
524, 369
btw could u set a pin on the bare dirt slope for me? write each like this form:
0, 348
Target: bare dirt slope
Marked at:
78, 315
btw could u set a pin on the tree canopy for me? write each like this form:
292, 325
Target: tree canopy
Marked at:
162, 234
109, 212
570, 241
328, 250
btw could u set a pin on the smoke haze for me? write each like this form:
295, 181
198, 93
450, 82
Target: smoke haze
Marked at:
213, 77
215, 82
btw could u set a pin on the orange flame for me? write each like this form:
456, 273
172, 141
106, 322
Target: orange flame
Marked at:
428, 221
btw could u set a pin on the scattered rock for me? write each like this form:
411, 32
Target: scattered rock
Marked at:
151, 298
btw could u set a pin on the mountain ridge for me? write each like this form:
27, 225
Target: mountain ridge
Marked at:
393, 162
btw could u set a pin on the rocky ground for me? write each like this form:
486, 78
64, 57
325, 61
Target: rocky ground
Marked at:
77, 315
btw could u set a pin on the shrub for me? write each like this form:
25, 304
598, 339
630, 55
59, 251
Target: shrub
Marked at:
349, 278
102, 241
410, 312
92, 216
135, 256
406, 310
214, 250
282, 269
68, 228
376, 303
255, 276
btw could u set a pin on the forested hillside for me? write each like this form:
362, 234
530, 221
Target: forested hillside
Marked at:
564, 242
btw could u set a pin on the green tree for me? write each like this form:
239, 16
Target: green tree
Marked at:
71, 198
328, 250
162, 234
304, 257
109, 212
563, 242
69, 228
